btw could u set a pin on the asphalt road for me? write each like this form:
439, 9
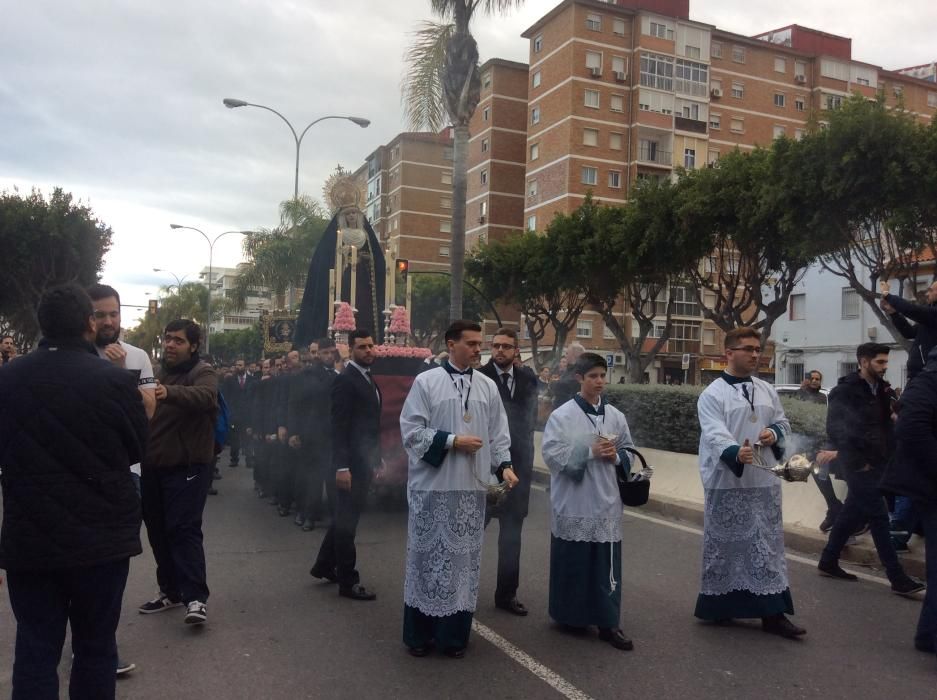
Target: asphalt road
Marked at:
274, 632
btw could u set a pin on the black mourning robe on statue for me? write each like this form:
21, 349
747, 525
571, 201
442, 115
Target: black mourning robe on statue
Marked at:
313, 321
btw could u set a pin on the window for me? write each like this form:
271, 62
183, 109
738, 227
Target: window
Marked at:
737, 124
848, 367
535, 115
661, 31
483, 207
534, 151
592, 99
834, 69
715, 121
800, 68
607, 333
932, 99
692, 78
689, 158
614, 178
486, 113
709, 336
485, 144
780, 65
532, 223
445, 226
447, 153
590, 137
656, 71
778, 132
444, 251
483, 177
715, 50
538, 43
716, 84
691, 110
593, 59
712, 157
532, 188
486, 81
799, 134
738, 90
535, 79
795, 372
850, 303
800, 103
614, 141
446, 177
692, 51
899, 91
618, 27
738, 54
594, 22
649, 151
616, 103
445, 202
583, 329
590, 176
618, 64
862, 81
779, 99
650, 101
833, 101
798, 307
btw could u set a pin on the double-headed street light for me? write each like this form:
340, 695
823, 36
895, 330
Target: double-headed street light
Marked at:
169, 272
232, 103
211, 281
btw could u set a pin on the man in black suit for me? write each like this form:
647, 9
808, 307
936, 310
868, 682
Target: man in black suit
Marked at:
517, 385
235, 389
356, 452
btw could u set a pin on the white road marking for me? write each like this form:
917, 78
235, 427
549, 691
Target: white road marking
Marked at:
551, 678
792, 557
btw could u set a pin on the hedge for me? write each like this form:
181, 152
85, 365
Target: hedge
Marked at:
664, 417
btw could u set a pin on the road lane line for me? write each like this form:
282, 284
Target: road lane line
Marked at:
551, 678
792, 557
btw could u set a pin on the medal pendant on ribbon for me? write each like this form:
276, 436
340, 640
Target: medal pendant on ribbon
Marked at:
753, 418
467, 417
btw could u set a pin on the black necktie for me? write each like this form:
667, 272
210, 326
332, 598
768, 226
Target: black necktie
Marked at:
504, 382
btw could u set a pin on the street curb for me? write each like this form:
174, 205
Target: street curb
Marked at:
797, 539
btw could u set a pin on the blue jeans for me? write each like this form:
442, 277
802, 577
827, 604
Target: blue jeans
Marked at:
926, 636
44, 603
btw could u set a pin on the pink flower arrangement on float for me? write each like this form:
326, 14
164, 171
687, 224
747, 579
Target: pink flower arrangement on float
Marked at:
344, 318
401, 351
400, 321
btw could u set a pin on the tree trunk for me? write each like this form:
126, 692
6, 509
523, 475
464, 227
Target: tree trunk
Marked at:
457, 247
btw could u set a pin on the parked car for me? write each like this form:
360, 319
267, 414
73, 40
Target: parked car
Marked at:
791, 389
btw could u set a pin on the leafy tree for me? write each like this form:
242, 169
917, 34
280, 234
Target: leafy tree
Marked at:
45, 241
278, 258
246, 342
428, 318
442, 78
188, 301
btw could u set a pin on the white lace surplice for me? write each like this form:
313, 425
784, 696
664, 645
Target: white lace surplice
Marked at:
743, 531
446, 523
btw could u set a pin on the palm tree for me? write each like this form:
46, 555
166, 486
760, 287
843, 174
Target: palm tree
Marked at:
442, 78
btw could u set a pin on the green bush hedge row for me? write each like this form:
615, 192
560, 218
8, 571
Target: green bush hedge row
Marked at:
664, 417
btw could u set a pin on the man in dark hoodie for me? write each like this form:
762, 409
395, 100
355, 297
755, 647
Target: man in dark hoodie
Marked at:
70, 426
913, 474
177, 471
924, 332
861, 430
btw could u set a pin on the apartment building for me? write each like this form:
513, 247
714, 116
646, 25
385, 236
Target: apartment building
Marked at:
409, 197
221, 287
622, 91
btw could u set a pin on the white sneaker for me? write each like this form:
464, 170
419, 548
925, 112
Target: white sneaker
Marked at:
196, 613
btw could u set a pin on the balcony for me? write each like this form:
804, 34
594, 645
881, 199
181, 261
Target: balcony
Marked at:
648, 153
692, 125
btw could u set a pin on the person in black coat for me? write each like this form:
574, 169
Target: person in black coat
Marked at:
71, 424
356, 453
913, 474
924, 332
860, 429
236, 390
518, 388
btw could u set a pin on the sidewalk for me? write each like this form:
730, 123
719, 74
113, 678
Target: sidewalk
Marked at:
676, 492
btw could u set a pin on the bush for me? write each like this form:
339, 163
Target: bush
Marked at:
664, 417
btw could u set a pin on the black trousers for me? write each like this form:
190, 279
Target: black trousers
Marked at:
319, 479
234, 443
864, 504
338, 546
173, 502
286, 462
509, 555
44, 603
262, 465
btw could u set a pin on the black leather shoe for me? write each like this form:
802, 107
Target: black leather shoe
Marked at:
308, 525
357, 592
283, 512
454, 652
835, 571
419, 652
328, 575
616, 638
513, 606
781, 626
212, 491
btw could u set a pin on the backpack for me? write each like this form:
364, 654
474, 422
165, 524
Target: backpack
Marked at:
222, 423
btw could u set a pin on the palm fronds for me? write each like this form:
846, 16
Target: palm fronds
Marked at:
421, 90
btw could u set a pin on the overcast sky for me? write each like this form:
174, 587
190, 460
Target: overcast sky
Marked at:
119, 101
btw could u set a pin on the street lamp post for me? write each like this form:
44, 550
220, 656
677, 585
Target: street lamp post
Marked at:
211, 281
169, 272
232, 103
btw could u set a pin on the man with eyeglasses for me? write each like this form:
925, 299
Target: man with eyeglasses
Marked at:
742, 424
517, 386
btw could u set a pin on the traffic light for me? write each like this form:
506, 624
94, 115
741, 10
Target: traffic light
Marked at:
403, 267
153, 306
